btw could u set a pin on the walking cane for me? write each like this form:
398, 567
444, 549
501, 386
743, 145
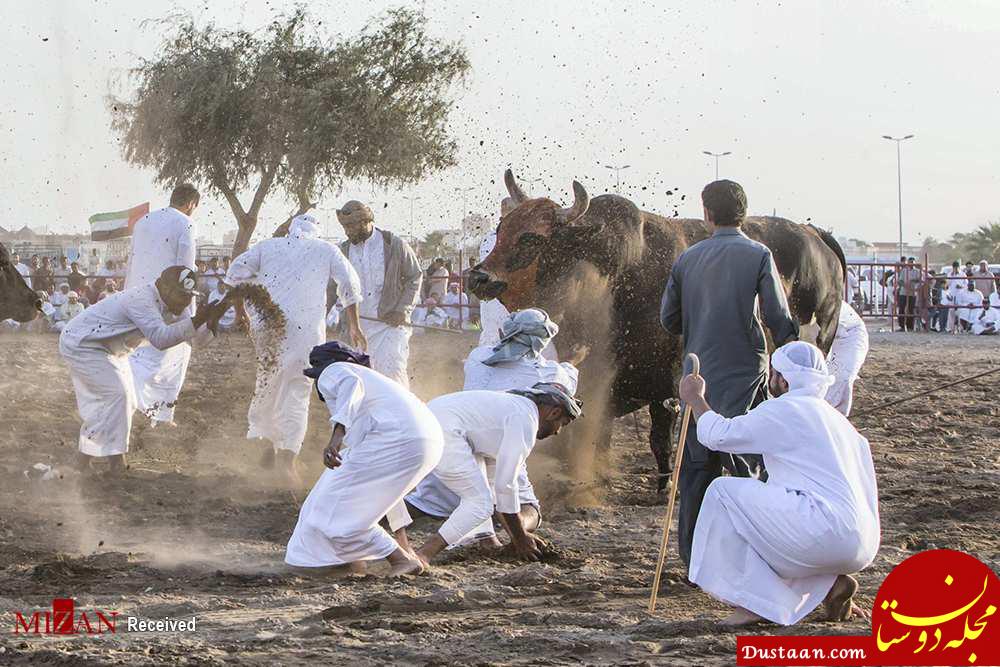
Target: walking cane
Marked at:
685, 422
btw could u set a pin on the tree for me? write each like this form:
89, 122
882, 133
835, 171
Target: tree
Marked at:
287, 111
982, 243
433, 244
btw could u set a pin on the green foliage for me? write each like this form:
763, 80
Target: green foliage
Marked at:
287, 109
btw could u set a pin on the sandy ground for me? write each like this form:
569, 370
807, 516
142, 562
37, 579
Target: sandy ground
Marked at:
195, 529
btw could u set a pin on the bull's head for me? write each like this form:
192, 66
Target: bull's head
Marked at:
509, 272
17, 301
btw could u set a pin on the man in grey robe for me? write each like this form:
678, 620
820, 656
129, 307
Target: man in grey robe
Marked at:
711, 299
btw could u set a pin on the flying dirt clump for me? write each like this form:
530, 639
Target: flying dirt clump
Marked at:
268, 328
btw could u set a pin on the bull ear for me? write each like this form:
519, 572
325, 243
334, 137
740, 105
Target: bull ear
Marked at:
581, 201
516, 193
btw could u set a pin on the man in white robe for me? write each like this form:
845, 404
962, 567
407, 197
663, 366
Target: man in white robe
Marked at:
487, 438
955, 277
847, 355
456, 305
95, 345
988, 323
160, 239
969, 302
384, 440
777, 549
514, 363
390, 284
295, 270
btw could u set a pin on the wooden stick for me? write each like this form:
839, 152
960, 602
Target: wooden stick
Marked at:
668, 518
414, 326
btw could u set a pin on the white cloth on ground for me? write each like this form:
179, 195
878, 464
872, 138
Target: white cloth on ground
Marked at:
482, 429
295, 271
433, 497
847, 355
95, 344
160, 239
776, 548
391, 441
388, 347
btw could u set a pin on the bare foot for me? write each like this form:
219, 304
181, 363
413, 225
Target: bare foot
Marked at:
358, 567
410, 566
740, 618
839, 602
117, 464
285, 467
267, 457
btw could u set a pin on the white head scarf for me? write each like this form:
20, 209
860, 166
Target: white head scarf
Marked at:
524, 333
804, 369
304, 226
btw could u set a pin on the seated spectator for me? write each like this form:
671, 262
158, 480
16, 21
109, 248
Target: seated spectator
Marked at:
228, 320
109, 289
988, 322
970, 301
58, 297
429, 315
68, 311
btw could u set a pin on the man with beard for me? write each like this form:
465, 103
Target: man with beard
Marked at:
779, 549
487, 437
390, 287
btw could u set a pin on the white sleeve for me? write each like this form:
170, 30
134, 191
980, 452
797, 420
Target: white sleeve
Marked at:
751, 433
348, 282
147, 318
343, 392
573, 376
477, 374
245, 267
518, 438
186, 250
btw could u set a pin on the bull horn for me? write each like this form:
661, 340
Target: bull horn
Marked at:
581, 200
516, 193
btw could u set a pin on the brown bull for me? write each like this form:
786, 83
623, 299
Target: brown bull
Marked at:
599, 268
17, 301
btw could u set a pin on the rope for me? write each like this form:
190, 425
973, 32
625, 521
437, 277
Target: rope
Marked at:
925, 393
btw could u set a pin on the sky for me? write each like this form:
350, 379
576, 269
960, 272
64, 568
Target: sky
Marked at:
799, 92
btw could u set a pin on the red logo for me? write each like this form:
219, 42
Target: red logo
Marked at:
64, 620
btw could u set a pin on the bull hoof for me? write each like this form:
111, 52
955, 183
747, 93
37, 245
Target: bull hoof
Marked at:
663, 484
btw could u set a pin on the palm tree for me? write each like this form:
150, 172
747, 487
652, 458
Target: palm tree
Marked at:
982, 243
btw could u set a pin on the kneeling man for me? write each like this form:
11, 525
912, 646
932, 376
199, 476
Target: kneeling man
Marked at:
487, 437
384, 441
96, 343
776, 550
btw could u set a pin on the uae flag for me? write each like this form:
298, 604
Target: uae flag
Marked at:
115, 225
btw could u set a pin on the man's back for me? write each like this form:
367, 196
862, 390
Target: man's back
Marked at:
161, 239
711, 299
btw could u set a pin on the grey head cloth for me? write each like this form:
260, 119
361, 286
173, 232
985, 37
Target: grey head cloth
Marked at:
556, 393
523, 333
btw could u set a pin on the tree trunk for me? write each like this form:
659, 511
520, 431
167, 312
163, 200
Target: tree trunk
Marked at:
243, 235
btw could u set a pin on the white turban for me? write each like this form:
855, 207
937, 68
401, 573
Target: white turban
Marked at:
304, 227
804, 369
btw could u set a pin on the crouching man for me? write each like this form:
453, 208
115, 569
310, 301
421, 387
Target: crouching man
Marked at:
779, 549
384, 441
96, 343
487, 437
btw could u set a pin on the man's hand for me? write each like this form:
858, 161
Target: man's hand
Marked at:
692, 389
358, 339
331, 454
395, 319
527, 548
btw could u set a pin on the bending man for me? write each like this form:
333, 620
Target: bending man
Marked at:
487, 437
778, 549
96, 343
295, 270
516, 362
384, 440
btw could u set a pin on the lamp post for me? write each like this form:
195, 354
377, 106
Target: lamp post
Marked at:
618, 175
717, 156
412, 199
899, 182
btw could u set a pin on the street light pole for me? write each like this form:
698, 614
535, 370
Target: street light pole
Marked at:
412, 200
717, 156
618, 175
899, 181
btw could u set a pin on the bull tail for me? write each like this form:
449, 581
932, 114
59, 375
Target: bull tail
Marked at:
834, 246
